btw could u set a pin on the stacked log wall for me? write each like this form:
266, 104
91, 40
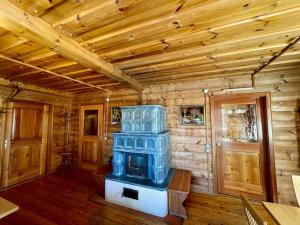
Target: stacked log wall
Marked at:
116, 99
188, 141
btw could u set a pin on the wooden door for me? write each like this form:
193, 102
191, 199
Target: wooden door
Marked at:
90, 137
241, 151
26, 131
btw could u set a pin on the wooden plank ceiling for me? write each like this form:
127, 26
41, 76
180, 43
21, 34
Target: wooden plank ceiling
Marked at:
110, 44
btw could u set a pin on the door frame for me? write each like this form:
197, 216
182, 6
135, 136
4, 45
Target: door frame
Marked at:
101, 131
48, 138
265, 100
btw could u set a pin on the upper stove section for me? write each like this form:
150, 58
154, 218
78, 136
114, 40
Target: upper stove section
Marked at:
143, 119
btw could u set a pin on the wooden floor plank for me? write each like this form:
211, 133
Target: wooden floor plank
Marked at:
66, 200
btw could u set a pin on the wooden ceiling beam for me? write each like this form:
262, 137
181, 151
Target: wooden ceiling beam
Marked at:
16, 20
57, 82
70, 85
232, 55
191, 39
10, 41
23, 86
83, 13
37, 55
190, 77
74, 73
37, 8
204, 61
85, 89
79, 89
212, 73
200, 51
51, 67
278, 54
206, 72
260, 42
254, 14
50, 72
33, 77
198, 62
109, 85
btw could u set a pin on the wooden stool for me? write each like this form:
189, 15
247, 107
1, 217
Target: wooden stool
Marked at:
66, 162
178, 191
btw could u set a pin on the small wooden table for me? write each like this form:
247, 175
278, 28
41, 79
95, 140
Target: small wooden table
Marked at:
178, 191
283, 214
7, 207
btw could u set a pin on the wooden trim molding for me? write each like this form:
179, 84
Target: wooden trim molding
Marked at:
271, 148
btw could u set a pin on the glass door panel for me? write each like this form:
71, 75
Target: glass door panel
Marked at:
239, 123
90, 123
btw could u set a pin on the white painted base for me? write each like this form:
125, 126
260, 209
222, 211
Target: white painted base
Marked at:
150, 200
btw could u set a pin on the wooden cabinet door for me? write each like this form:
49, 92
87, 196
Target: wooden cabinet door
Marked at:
26, 132
240, 147
90, 137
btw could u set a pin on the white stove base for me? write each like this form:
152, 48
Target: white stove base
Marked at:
150, 200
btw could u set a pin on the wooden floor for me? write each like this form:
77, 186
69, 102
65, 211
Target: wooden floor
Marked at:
65, 200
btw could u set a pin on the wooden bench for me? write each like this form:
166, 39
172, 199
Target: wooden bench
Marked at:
7, 207
178, 191
100, 177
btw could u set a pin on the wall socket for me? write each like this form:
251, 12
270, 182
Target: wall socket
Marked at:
207, 148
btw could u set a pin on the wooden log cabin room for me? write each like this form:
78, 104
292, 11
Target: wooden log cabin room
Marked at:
149, 112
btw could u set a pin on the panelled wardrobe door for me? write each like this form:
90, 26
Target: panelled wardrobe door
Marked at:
90, 137
26, 131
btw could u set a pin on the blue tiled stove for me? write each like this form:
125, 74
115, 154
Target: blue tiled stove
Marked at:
141, 161
142, 148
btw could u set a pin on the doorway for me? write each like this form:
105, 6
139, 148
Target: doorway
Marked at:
90, 137
25, 142
243, 153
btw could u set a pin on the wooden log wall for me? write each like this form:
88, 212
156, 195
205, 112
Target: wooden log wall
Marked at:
116, 99
59, 132
285, 103
188, 142
188, 148
60, 103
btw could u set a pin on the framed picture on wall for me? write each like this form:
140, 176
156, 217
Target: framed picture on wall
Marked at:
115, 115
191, 115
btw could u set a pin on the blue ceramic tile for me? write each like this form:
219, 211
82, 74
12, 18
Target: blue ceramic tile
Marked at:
143, 132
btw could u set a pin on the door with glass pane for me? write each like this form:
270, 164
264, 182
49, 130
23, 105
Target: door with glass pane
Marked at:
90, 137
240, 147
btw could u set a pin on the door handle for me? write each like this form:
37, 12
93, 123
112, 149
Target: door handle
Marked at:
219, 144
5, 144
